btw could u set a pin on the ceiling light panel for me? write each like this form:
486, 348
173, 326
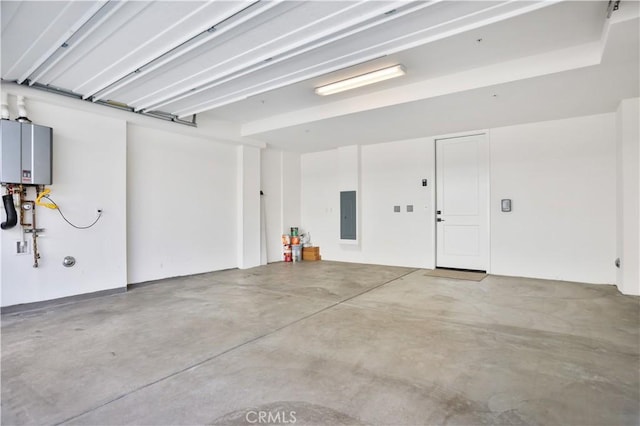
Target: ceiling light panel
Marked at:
361, 80
31, 31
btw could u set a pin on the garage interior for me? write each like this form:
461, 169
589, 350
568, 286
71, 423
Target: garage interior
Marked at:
188, 137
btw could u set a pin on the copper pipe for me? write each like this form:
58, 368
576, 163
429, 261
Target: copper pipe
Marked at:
36, 255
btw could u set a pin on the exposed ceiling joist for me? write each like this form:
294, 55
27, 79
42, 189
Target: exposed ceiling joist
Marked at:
207, 35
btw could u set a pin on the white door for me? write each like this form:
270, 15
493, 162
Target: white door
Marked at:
462, 202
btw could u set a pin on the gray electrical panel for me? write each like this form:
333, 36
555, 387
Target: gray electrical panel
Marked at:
348, 215
25, 153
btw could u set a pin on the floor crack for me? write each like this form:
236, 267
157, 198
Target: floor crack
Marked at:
238, 346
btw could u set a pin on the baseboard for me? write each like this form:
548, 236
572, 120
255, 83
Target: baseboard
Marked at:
133, 286
24, 307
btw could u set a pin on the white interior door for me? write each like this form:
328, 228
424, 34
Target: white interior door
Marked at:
462, 202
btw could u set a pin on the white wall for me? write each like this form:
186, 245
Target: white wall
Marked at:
391, 174
181, 198
89, 160
320, 202
280, 182
559, 174
248, 211
349, 171
291, 189
271, 186
349, 168
628, 196
169, 193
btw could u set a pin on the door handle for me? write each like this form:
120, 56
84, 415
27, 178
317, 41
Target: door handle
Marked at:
439, 220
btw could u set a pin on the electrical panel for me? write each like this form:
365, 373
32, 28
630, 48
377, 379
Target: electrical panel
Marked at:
25, 153
348, 215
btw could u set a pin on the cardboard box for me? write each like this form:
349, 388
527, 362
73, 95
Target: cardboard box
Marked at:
307, 256
311, 253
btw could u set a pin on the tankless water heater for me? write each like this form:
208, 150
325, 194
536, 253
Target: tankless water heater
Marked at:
25, 153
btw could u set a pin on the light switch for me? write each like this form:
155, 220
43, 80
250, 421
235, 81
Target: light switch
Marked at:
396, 209
409, 208
505, 205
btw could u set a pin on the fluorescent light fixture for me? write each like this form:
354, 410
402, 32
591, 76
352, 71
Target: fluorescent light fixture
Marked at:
361, 80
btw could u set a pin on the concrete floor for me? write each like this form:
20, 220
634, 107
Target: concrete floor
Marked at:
330, 344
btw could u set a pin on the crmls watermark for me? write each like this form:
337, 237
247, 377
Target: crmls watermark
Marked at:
270, 417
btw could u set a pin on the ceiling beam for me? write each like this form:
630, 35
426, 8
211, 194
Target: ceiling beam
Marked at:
53, 45
185, 47
108, 80
40, 73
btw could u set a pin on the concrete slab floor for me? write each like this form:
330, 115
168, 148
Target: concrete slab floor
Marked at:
328, 343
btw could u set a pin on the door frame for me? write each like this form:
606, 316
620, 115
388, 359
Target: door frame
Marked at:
434, 175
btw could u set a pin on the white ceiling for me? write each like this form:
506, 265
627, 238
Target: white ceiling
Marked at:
586, 90
257, 62
520, 36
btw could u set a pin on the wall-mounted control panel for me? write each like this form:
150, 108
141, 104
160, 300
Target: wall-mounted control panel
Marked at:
348, 214
25, 153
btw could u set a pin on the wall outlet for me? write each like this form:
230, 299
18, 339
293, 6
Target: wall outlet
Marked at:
22, 247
